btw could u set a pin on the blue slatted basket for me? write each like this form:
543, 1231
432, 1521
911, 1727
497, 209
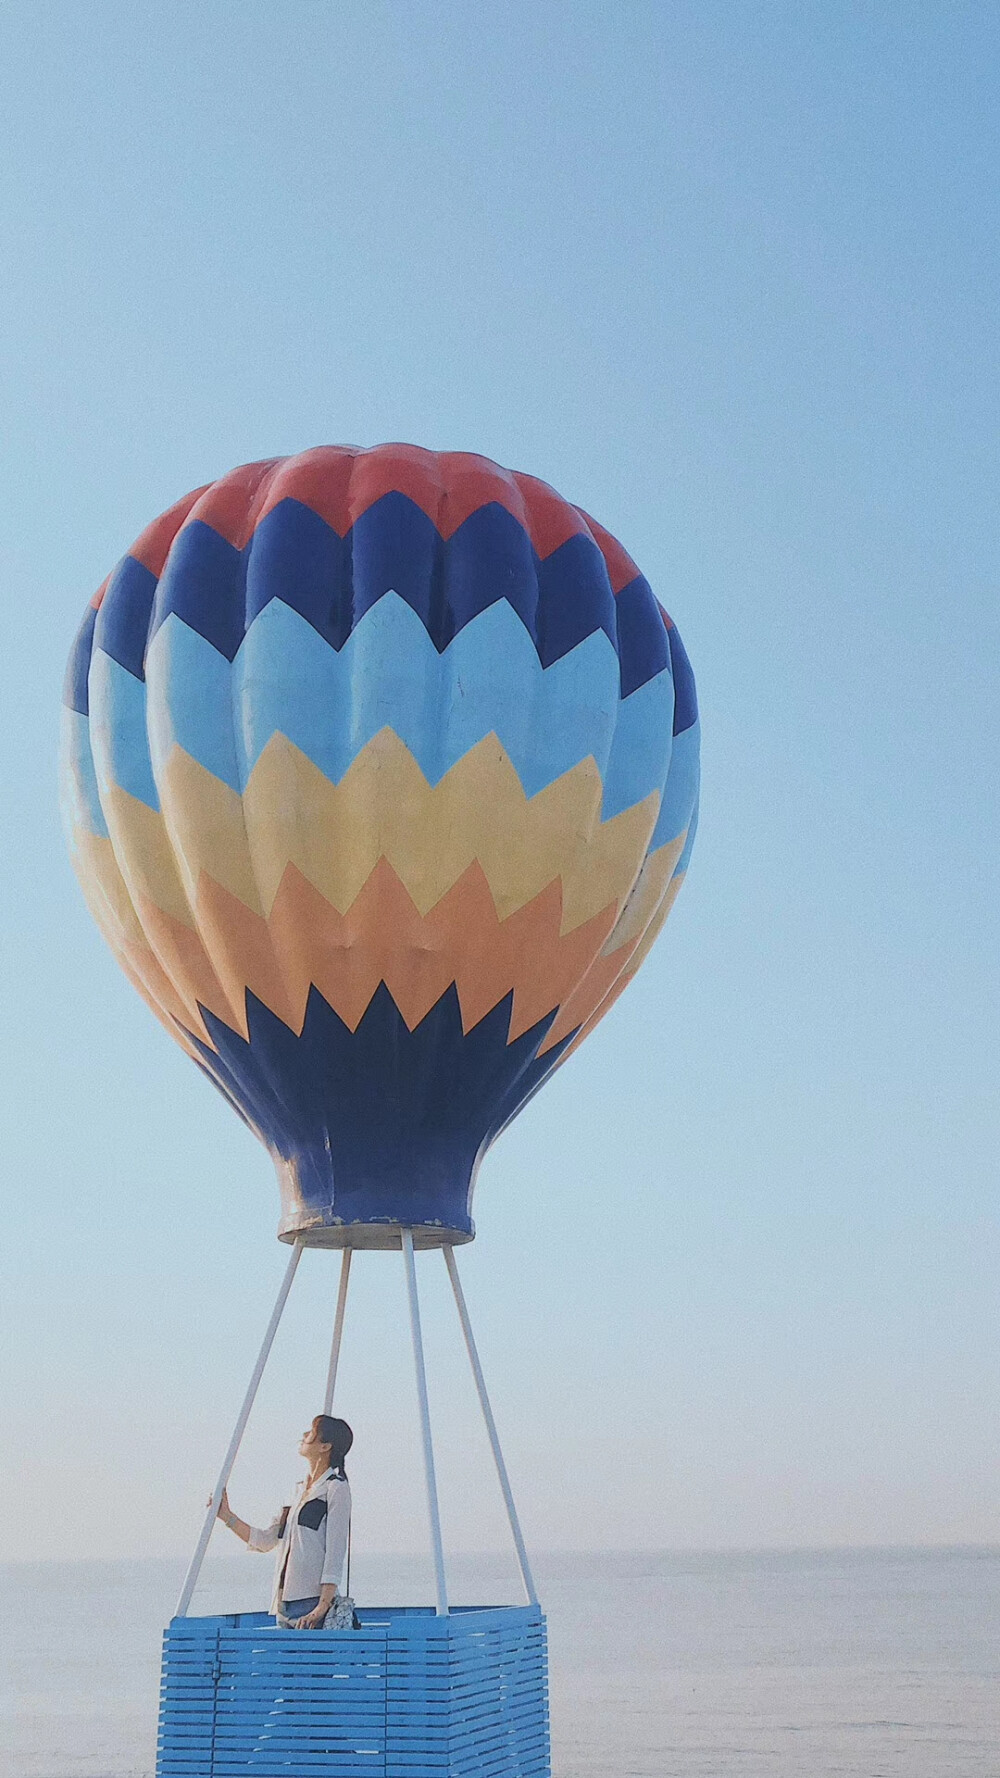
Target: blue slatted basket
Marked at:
409, 1695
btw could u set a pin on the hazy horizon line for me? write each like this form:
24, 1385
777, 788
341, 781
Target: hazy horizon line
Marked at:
485, 1555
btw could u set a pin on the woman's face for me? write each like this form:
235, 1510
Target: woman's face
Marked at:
311, 1447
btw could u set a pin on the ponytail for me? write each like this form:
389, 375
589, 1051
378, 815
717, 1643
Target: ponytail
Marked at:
338, 1435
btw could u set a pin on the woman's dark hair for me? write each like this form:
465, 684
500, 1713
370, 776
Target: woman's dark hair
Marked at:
338, 1435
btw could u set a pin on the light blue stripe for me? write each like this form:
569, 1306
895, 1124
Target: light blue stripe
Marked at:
682, 862
189, 687
681, 790
118, 724
489, 680
547, 719
286, 679
640, 752
78, 792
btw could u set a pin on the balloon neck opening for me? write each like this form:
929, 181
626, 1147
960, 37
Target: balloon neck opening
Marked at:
366, 1203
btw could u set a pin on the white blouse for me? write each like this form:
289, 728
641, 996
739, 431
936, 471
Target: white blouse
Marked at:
311, 1551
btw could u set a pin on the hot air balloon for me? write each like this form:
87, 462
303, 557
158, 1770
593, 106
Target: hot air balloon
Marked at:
380, 776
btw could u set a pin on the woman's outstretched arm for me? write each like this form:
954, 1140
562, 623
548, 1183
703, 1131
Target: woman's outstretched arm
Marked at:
228, 1517
250, 1534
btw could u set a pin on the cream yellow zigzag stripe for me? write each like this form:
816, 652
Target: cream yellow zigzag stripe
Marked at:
147, 854
648, 890
107, 896
104, 890
383, 807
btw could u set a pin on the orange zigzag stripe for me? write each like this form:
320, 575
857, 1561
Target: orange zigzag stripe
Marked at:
382, 938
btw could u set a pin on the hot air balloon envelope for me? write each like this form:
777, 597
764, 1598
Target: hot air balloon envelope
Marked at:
380, 773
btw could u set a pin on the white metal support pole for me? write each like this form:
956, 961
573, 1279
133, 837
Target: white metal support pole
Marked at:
191, 1578
425, 1423
338, 1331
484, 1402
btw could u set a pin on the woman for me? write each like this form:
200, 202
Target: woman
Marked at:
311, 1535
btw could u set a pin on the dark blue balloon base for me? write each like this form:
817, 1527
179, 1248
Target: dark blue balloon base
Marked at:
379, 1128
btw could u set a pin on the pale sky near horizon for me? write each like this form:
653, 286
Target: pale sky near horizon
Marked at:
724, 275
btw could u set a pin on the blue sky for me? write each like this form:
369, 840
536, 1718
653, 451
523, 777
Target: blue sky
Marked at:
724, 275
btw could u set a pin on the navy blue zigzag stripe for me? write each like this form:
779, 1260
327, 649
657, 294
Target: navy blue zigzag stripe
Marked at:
382, 1123
294, 555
